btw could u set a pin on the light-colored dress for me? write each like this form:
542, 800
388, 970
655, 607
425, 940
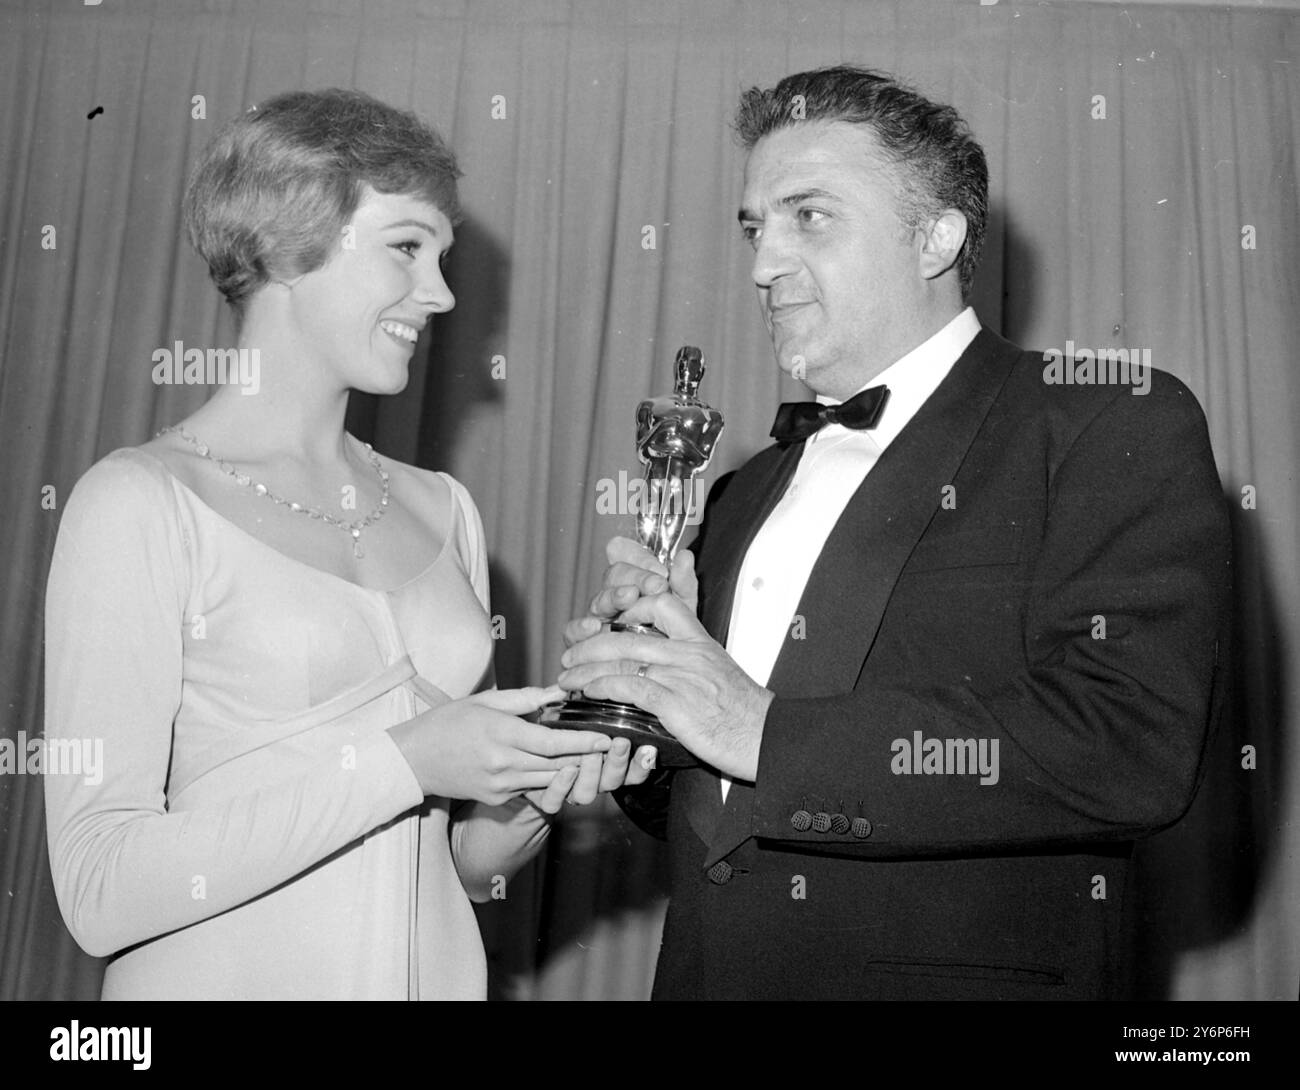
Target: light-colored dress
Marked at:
255, 832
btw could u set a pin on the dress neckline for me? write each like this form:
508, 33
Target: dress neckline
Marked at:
181, 486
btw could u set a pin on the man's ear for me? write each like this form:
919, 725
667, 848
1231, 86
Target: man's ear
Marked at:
941, 242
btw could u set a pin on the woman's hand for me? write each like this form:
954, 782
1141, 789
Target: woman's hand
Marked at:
477, 748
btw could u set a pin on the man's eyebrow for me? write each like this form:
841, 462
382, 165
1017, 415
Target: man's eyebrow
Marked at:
814, 194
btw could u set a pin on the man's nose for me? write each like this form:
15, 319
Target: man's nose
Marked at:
773, 257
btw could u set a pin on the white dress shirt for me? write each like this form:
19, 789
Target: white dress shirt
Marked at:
835, 462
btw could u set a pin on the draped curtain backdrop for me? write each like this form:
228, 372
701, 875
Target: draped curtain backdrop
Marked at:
601, 187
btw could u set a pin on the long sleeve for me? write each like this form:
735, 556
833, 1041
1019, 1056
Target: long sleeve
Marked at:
125, 868
1101, 729
488, 842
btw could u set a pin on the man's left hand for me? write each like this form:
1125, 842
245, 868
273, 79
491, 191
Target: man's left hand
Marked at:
689, 681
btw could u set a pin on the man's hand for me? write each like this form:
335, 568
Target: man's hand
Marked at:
633, 573
688, 680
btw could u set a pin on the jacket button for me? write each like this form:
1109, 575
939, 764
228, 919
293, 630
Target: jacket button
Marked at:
821, 822
861, 828
839, 824
801, 820
720, 873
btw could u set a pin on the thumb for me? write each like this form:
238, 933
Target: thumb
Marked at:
668, 613
682, 580
517, 701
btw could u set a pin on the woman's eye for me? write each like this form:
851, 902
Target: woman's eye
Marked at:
408, 247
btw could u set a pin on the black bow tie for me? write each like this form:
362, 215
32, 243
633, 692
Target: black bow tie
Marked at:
796, 420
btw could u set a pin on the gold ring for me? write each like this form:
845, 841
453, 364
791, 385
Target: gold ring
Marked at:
641, 670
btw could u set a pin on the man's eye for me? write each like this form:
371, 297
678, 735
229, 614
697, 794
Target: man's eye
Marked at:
409, 247
752, 232
811, 215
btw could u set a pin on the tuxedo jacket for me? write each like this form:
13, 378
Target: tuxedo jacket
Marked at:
1002, 671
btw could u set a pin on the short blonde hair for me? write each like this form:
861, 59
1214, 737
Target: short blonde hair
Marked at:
270, 195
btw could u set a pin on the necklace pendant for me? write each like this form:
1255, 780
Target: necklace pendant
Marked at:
357, 550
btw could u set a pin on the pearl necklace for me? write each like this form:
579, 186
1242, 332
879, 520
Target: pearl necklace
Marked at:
244, 480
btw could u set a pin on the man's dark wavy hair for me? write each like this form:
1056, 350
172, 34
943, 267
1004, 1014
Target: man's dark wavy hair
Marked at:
938, 163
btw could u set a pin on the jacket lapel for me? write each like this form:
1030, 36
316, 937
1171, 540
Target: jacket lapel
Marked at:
851, 583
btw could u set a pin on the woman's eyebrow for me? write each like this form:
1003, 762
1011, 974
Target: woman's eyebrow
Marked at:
413, 223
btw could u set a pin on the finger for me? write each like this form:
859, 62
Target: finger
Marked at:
623, 550
644, 692
612, 601
633, 647
669, 614
641, 765
548, 742
606, 604
552, 798
577, 678
580, 678
520, 752
609, 603
580, 629
517, 701
613, 769
682, 579
632, 575
541, 781
588, 781
525, 763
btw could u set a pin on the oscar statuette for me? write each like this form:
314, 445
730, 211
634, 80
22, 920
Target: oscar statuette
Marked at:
675, 437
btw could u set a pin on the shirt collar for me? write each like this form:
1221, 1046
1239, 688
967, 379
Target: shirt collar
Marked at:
912, 378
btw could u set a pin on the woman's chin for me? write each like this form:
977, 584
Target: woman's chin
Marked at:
383, 385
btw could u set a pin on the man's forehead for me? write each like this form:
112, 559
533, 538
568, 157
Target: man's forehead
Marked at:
805, 151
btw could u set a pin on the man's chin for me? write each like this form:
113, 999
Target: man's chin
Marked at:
794, 364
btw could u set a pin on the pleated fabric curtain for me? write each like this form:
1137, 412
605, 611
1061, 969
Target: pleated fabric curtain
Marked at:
1144, 189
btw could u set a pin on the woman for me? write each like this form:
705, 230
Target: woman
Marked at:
275, 632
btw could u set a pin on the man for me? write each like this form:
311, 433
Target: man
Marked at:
951, 658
